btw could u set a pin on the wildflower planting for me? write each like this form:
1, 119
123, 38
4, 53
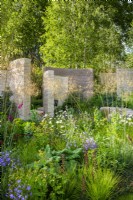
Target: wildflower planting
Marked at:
74, 155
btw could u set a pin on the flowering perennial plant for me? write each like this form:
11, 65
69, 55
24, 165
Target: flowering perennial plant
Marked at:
19, 192
90, 144
128, 120
20, 105
5, 159
10, 118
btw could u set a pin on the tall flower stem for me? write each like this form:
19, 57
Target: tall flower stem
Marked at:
86, 161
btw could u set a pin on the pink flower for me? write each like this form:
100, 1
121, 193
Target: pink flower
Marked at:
20, 105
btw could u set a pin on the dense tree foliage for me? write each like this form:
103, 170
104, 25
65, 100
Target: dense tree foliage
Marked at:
123, 14
21, 28
129, 56
80, 34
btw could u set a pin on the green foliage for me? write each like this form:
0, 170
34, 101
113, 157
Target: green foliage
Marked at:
51, 154
6, 105
110, 100
27, 152
130, 36
66, 187
115, 150
126, 197
59, 167
44, 133
122, 14
8, 112
100, 183
129, 60
37, 76
129, 56
21, 28
36, 102
37, 79
29, 129
34, 116
76, 104
37, 181
96, 36
12, 130
79, 35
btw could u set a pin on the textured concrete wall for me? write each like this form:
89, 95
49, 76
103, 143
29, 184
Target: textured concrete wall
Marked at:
79, 80
20, 73
55, 89
59, 83
124, 82
120, 82
60, 89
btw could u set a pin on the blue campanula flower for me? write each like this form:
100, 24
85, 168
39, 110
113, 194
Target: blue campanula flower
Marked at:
5, 159
90, 144
28, 188
20, 192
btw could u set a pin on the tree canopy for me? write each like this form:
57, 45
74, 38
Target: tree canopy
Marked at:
123, 14
129, 56
69, 33
21, 28
80, 34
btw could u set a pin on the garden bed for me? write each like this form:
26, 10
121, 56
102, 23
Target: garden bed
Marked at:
82, 156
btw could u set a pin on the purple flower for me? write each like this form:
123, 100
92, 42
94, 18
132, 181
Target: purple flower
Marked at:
5, 159
90, 144
11, 196
20, 105
28, 188
8, 159
19, 191
16, 163
10, 118
18, 181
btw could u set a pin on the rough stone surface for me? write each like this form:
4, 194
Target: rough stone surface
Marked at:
108, 111
59, 83
79, 80
40, 109
20, 72
48, 92
60, 89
